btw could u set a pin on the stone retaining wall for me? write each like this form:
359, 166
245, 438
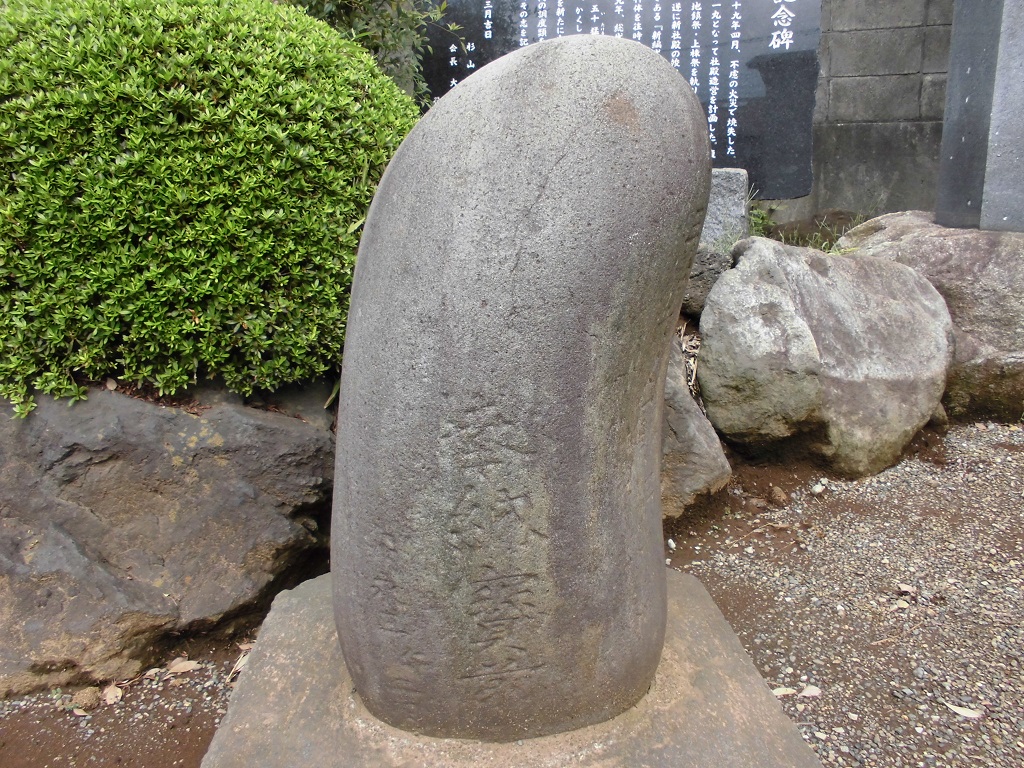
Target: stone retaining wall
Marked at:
880, 100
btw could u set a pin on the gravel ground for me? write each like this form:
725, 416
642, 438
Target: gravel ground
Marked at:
885, 613
164, 718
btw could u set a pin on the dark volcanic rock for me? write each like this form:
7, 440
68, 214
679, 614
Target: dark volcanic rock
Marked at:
122, 521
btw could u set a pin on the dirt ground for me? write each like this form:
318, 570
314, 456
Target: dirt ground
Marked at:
162, 719
885, 613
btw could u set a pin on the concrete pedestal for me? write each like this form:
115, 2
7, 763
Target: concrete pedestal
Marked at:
295, 705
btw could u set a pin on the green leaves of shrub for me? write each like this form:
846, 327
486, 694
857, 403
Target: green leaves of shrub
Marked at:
394, 31
181, 188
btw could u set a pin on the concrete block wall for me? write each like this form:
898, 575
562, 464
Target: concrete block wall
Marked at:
880, 100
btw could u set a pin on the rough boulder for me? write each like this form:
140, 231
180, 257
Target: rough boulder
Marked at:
122, 522
692, 460
980, 274
844, 357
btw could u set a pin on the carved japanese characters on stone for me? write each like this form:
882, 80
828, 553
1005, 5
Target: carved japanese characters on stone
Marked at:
497, 554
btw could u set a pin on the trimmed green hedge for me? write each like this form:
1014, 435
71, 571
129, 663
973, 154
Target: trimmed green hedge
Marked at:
182, 184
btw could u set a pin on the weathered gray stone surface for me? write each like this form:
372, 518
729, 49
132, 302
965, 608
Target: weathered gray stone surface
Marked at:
295, 706
496, 542
727, 221
982, 153
121, 521
303, 401
1003, 206
692, 460
974, 48
981, 276
708, 265
847, 355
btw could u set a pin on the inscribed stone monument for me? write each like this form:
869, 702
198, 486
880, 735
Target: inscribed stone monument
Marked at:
496, 547
752, 63
497, 550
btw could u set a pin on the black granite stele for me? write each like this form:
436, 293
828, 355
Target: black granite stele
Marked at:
759, 102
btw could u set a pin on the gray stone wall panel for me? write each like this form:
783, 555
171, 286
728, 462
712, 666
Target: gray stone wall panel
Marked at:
940, 11
883, 64
877, 14
877, 52
881, 98
936, 49
933, 97
876, 168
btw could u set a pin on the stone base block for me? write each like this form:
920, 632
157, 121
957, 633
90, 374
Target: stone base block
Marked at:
295, 705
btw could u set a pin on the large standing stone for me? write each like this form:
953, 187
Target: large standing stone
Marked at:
848, 354
980, 274
1003, 206
497, 549
122, 521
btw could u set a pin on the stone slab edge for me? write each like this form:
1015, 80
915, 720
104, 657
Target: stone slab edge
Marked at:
726, 219
295, 705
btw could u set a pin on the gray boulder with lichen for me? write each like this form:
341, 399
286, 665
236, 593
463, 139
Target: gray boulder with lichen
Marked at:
980, 275
844, 357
